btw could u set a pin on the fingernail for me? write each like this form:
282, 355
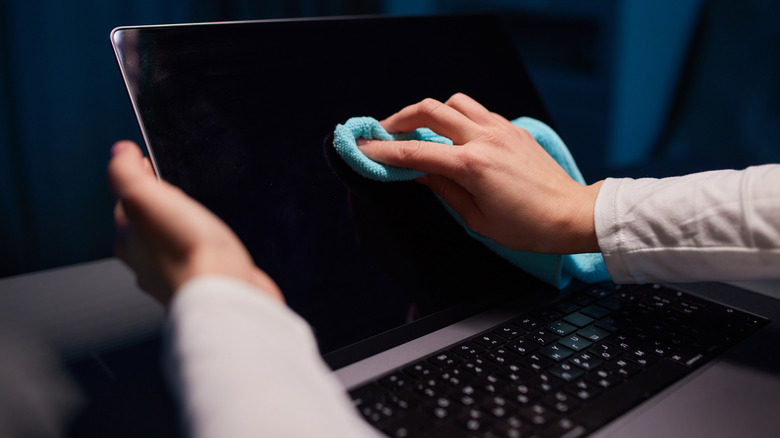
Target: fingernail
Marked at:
362, 141
117, 147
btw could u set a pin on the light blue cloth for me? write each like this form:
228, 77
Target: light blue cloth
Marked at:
557, 270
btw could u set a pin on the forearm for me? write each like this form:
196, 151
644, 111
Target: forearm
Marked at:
722, 225
248, 366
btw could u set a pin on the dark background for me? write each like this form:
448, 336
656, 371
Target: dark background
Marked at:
635, 87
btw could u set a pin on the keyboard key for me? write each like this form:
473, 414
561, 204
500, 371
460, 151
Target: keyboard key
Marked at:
547, 315
566, 371
561, 401
578, 319
420, 370
509, 332
467, 350
556, 352
623, 367
561, 328
641, 356
511, 427
575, 342
537, 414
563, 428
366, 393
593, 333
627, 395
488, 340
595, 311
523, 346
545, 383
542, 337
566, 307
395, 381
445, 360
502, 355
606, 351
528, 323
604, 378
586, 360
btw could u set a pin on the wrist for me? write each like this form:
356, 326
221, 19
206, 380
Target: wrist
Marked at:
578, 225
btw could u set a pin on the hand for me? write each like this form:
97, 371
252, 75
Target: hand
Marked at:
496, 176
168, 238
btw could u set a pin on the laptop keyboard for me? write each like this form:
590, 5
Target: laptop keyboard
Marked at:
561, 371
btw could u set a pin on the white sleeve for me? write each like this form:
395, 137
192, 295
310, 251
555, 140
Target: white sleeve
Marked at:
247, 366
720, 225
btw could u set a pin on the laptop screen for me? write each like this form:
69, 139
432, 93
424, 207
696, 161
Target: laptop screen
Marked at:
239, 116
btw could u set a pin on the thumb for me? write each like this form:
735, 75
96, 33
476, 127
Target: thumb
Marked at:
127, 168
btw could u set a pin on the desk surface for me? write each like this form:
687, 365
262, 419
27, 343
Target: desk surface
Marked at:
96, 305
80, 308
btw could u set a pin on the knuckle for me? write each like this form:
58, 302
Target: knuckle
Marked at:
428, 106
457, 98
410, 150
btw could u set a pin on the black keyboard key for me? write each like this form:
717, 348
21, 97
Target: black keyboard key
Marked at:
561, 401
413, 424
542, 337
523, 346
578, 319
536, 362
606, 351
604, 378
561, 328
545, 383
688, 358
566, 307
479, 366
366, 393
488, 340
474, 420
595, 312
528, 323
586, 360
627, 395
547, 315
556, 352
502, 355
511, 427
575, 342
610, 303
509, 332
467, 350
594, 333
641, 356
537, 414
420, 370
623, 367
583, 390
611, 324
445, 360
563, 428
395, 381
566, 371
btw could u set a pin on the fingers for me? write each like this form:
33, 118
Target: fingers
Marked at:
127, 167
430, 113
425, 156
471, 109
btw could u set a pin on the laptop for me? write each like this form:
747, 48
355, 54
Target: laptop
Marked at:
430, 332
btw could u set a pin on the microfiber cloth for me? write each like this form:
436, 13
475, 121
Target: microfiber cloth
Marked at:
557, 270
